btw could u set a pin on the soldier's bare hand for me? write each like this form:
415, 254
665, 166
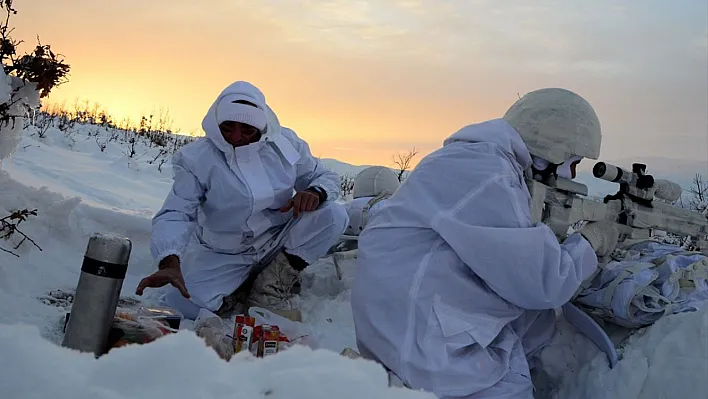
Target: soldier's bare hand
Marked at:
169, 273
303, 201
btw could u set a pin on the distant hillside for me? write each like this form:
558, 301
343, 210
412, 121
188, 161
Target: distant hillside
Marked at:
343, 168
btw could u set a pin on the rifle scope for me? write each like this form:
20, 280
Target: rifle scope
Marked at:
615, 174
667, 190
664, 189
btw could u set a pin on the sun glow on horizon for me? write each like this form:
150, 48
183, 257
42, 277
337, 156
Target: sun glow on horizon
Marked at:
362, 81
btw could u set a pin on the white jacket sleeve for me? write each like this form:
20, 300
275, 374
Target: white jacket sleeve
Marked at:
174, 223
312, 172
492, 234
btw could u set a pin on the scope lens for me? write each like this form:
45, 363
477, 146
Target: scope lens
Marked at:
599, 169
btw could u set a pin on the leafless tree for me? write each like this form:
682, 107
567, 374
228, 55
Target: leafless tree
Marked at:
402, 161
132, 151
165, 123
42, 123
101, 144
161, 153
696, 199
346, 184
698, 194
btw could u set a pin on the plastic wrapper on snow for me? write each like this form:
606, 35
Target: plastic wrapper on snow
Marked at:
215, 332
649, 281
181, 366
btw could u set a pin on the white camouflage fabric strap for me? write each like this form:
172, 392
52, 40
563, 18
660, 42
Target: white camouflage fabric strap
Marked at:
365, 211
652, 280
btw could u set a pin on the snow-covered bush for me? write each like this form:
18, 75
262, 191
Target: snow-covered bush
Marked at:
23, 81
151, 139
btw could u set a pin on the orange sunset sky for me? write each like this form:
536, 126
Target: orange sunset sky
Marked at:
360, 80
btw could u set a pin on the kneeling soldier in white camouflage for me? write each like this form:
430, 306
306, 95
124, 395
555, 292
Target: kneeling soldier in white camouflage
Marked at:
234, 190
455, 285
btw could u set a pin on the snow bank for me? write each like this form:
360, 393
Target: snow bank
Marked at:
80, 189
100, 191
666, 360
107, 180
61, 229
181, 366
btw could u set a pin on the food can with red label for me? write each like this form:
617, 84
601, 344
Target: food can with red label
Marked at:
243, 332
269, 341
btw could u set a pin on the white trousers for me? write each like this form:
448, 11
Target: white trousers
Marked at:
210, 276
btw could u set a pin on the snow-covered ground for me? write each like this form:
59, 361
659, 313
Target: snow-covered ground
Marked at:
79, 189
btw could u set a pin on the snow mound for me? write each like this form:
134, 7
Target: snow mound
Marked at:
79, 190
181, 366
80, 187
669, 359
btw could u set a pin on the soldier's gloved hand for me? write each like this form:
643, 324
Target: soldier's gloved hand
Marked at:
603, 236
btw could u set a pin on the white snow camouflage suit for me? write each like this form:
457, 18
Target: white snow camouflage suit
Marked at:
231, 198
454, 284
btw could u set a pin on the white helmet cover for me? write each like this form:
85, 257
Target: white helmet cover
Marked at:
374, 180
556, 124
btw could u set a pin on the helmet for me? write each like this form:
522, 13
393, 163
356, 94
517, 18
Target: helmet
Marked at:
374, 180
556, 124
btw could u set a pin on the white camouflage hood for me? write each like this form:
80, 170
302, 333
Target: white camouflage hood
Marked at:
496, 131
239, 90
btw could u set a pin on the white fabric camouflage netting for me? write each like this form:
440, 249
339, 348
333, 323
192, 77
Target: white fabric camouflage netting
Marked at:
651, 280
